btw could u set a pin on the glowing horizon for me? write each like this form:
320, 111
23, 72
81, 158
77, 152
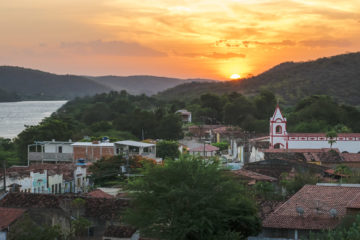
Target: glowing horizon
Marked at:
185, 39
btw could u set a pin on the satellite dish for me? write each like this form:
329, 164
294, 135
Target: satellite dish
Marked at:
300, 211
333, 212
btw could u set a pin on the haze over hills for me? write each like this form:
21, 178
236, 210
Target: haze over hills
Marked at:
337, 76
19, 83
148, 85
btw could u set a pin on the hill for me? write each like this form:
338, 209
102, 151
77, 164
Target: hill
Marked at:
27, 84
337, 76
8, 97
34, 84
148, 85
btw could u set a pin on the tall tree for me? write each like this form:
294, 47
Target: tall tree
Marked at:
191, 199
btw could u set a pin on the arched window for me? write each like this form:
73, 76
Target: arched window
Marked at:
278, 129
277, 146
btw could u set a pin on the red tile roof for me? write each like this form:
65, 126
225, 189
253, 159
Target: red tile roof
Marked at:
97, 193
253, 175
316, 202
9, 215
351, 157
208, 148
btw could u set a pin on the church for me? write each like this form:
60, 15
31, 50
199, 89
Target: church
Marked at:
281, 139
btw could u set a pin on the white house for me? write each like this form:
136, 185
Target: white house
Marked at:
129, 148
50, 151
280, 138
185, 115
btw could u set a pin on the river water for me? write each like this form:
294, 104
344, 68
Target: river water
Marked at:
14, 115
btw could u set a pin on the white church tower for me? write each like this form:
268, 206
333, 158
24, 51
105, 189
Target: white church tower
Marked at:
278, 133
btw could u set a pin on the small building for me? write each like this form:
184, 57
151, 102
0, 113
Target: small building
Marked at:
92, 151
312, 208
185, 115
121, 233
130, 148
205, 151
50, 151
8, 216
39, 181
252, 177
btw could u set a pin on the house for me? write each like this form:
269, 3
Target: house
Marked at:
280, 138
58, 210
202, 130
121, 233
50, 151
8, 216
205, 151
47, 178
92, 151
98, 193
130, 148
252, 177
185, 115
312, 208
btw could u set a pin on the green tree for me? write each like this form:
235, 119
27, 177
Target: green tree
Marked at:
343, 231
292, 185
191, 199
221, 145
167, 149
27, 229
331, 135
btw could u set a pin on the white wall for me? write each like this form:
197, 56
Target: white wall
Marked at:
348, 146
56, 180
53, 147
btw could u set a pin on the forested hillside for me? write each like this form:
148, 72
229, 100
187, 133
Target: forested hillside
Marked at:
337, 76
34, 84
8, 97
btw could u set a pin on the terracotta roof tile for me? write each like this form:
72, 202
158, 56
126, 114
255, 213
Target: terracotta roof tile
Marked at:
351, 157
97, 193
9, 215
208, 148
253, 175
316, 202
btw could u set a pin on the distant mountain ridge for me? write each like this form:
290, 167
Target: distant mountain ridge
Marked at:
337, 76
38, 85
139, 84
18, 83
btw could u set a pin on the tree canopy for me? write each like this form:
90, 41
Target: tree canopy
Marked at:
191, 199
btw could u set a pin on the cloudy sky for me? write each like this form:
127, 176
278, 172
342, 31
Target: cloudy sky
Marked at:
175, 38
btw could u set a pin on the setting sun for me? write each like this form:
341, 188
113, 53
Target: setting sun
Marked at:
235, 76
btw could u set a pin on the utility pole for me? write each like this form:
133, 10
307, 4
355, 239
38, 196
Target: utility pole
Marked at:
4, 166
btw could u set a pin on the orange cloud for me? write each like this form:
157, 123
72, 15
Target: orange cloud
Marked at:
204, 38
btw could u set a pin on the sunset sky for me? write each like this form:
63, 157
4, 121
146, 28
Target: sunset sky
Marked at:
174, 38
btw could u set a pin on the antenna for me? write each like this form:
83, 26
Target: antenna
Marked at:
300, 211
333, 213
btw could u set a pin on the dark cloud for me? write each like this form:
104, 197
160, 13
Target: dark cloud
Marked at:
325, 43
117, 48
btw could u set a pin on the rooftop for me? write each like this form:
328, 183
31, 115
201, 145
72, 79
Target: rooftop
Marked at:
9, 215
253, 175
206, 148
134, 143
314, 207
94, 144
97, 193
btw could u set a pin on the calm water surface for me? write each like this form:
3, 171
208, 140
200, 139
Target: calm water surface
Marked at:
14, 115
